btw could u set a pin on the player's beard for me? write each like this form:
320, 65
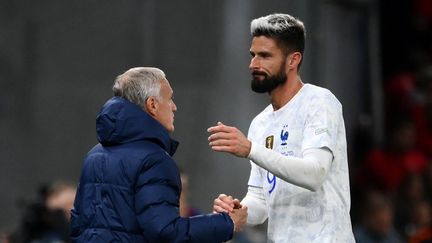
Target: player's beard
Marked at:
269, 83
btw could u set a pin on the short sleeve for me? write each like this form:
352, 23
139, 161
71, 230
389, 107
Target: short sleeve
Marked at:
322, 122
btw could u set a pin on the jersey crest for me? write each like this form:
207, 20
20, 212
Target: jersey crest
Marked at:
284, 135
269, 142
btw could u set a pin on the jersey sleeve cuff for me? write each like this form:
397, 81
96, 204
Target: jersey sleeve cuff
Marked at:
252, 151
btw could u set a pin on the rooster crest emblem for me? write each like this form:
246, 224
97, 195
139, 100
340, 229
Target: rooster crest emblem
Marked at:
284, 135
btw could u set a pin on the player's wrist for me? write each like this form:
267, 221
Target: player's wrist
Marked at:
251, 150
249, 147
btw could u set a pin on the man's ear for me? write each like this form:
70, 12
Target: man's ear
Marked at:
294, 59
151, 105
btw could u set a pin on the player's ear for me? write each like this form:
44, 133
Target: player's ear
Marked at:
294, 59
151, 106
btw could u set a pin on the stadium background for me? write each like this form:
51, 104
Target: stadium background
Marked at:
58, 60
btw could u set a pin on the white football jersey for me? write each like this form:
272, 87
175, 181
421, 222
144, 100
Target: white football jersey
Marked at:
311, 119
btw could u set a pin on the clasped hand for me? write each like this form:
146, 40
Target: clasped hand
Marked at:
237, 211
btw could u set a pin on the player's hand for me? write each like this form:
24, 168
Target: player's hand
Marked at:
239, 217
225, 204
228, 139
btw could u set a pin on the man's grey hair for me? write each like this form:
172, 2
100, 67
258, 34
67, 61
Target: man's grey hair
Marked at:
288, 31
138, 84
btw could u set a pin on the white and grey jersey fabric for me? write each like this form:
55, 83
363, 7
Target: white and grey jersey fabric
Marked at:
301, 209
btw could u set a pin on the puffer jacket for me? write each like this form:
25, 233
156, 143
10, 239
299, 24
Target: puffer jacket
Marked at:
130, 186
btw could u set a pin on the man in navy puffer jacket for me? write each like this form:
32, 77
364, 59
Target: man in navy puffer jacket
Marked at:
129, 185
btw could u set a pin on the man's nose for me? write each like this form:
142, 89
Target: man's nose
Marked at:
254, 64
174, 107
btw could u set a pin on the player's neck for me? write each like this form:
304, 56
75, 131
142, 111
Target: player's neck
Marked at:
284, 93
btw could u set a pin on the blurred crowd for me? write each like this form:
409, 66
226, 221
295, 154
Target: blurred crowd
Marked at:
44, 219
392, 182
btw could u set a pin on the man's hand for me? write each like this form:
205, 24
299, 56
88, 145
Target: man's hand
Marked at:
225, 204
237, 212
239, 217
229, 139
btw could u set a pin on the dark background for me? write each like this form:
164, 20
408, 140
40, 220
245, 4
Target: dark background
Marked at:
58, 60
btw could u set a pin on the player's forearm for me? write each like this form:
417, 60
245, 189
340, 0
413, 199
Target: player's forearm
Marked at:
257, 208
308, 172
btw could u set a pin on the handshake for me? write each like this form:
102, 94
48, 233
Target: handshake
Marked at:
237, 211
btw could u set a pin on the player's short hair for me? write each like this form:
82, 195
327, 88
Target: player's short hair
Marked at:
138, 84
288, 31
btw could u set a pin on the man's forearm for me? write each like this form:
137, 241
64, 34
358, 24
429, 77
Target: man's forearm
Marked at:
308, 172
